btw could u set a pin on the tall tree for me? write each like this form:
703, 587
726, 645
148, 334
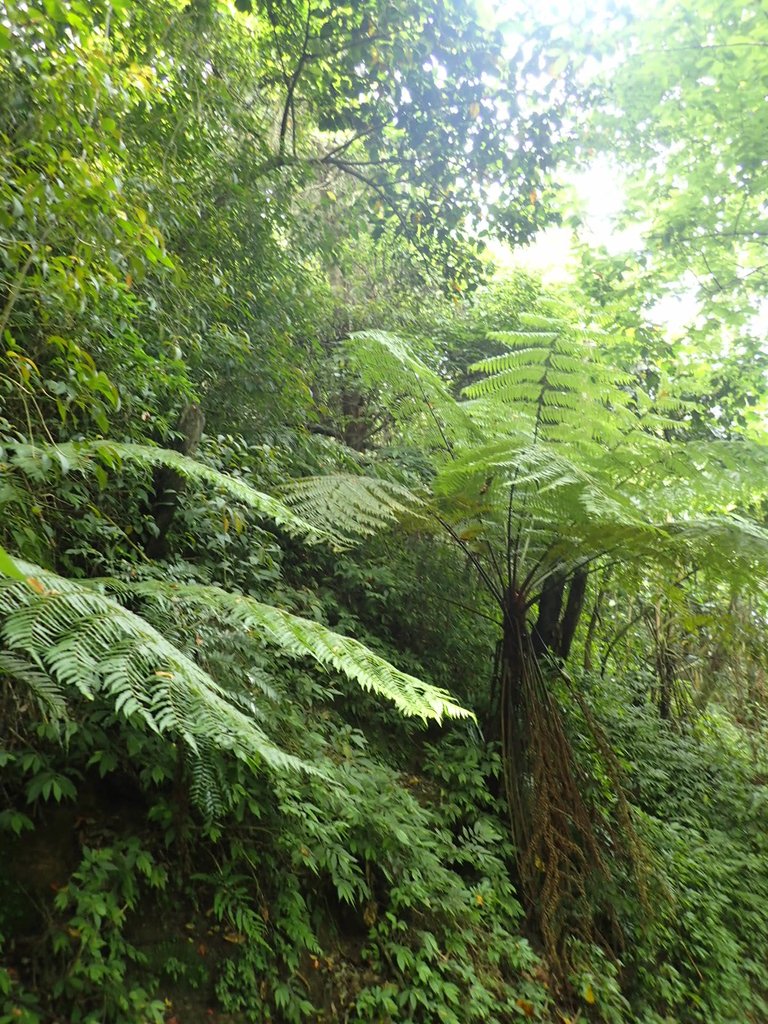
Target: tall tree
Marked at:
425, 108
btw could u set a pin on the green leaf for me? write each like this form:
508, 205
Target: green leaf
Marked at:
8, 567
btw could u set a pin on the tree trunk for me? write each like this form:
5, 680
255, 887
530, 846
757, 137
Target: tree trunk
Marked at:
546, 632
594, 621
666, 672
573, 610
168, 484
555, 839
356, 424
514, 718
555, 629
666, 663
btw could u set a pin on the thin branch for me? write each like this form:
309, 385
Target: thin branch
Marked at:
369, 182
695, 47
15, 290
293, 81
635, 618
345, 145
353, 45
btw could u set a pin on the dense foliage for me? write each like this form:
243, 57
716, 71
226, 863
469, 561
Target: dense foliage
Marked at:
382, 636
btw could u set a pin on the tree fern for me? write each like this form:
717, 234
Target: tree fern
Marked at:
553, 463
557, 456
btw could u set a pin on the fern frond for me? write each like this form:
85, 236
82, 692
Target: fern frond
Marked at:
542, 322
84, 642
302, 637
509, 462
678, 479
207, 787
528, 356
45, 691
350, 506
89, 457
568, 453
413, 393
735, 469
88, 644
556, 380
729, 548
521, 340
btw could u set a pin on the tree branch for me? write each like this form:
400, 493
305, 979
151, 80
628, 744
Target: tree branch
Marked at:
288, 106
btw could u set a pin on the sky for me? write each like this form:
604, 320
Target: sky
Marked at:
600, 193
598, 190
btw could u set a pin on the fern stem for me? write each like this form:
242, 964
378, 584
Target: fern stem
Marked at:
488, 580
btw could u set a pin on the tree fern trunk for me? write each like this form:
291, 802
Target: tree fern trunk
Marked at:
513, 720
554, 835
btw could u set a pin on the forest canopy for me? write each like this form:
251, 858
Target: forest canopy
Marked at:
383, 620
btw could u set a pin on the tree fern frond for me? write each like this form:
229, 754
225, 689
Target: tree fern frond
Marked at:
566, 362
526, 341
542, 322
507, 390
553, 373
300, 636
86, 642
653, 423
727, 547
413, 393
46, 692
207, 786
89, 456
498, 419
737, 466
350, 506
508, 461
567, 450
562, 400
675, 479
528, 357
